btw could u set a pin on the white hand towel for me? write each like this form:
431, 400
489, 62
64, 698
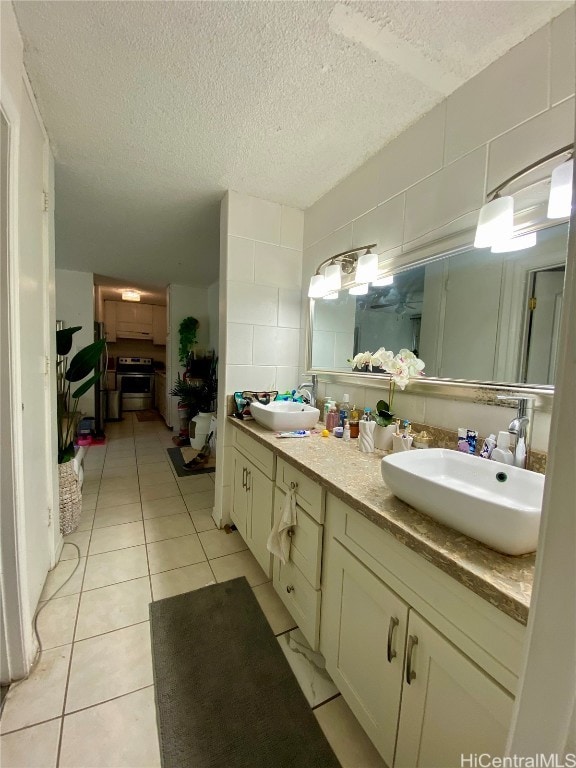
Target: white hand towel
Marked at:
279, 541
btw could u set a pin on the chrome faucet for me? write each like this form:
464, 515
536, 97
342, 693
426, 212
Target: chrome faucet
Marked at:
521, 427
309, 390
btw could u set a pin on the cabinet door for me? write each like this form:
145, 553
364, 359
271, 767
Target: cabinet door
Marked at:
239, 512
450, 707
259, 522
159, 325
110, 320
363, 640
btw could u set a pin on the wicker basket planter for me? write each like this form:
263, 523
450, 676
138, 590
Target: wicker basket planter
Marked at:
70, 498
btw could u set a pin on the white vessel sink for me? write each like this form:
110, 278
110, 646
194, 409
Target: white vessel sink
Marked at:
494, 503
285, 416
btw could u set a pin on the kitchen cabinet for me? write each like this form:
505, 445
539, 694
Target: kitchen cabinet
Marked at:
160, 394
252, 508
421, 699
133, 320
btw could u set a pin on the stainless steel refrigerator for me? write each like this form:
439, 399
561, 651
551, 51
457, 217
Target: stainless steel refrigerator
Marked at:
100, 386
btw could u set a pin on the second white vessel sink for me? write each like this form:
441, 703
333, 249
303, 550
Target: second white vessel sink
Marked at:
285, 416
494, 503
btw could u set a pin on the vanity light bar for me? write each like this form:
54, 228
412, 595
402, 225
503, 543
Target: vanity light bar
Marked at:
346, 262
496, 220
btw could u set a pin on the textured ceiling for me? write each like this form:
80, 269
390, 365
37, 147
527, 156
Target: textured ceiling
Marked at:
154, 109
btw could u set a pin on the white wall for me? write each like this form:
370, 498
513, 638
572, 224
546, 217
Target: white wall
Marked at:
75, 306
183, 301
213, 315
29, 521
260, 308
432, 179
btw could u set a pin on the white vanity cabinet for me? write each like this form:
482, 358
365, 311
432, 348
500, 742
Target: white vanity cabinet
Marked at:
253, 494
426, 690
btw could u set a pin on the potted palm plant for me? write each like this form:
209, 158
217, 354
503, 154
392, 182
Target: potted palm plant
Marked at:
81, 366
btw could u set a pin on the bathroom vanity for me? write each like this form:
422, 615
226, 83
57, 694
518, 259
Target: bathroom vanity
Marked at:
421, 627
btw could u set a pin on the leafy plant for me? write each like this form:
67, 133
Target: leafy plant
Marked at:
188, 329
383, 417
198, 397
82, 364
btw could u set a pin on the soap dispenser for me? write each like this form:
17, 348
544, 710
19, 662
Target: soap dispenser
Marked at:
502, 452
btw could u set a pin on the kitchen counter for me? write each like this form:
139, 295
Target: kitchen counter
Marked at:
354, 477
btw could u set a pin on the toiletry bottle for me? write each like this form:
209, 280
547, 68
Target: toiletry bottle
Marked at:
367, 414
471, 438
332, 418
346, 433
327, 403
462, 441
488, 446
520, 454
502, 452
354, 422
344, 409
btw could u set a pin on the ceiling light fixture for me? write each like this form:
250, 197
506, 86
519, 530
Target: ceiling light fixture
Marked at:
367, 268
496, 220
328, 277
358, 290
382, 281
516, 244
130, 295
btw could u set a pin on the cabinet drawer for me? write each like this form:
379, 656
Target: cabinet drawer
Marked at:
260, 456
309, 495
300, 598
306, 545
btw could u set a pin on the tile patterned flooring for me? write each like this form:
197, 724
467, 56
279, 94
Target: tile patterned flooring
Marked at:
145, 534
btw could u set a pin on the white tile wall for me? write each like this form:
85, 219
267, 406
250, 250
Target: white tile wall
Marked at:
240, 259
278, 266
292, 228
248, 302
289, 305
276, 346
455, 190
549, 131
509, 91
239, 343
239, 214
382, 225
563, 55
266, 220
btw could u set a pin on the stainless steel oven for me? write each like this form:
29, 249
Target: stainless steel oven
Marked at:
135, 380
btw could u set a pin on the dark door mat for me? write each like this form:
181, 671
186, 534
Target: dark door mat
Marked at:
225, 694
178, 463
148, 415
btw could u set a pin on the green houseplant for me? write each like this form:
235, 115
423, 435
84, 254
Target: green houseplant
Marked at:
82, 365
187, 330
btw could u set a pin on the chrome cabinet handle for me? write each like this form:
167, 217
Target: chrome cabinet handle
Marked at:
244, 473
248, 477
289, 588
410, 674
290, 532
390, 652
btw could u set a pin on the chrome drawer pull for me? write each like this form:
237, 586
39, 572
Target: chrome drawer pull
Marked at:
390, 652
244, 473
248, 476
410, 674
289, 588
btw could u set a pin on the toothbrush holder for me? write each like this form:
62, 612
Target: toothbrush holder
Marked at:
401, 443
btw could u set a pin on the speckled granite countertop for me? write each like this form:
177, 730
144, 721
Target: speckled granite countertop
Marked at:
354, 477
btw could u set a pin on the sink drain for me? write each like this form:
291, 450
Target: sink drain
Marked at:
501, 477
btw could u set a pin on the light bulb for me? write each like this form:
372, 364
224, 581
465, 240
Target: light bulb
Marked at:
358, 290
495, 223
367, 268
560, 200
333, 278
317, 287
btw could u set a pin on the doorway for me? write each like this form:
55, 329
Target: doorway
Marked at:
544, 311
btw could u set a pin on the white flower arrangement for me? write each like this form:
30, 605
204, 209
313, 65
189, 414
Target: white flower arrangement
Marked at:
400, 367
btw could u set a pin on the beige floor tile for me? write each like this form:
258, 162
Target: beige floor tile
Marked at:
65, 569
346, 736
56, 621
160, 491
195, 484
202, 500
120, 452
168, 527
35, 747
89, 501
127, 513
92, 474
117, 498
161, 507
112, 471
86, 520
239, 564
203, 520
174, 553
81, 539
41, 696
118, 734
109, 608
116, 537
119, 484
114, 567
181, 580
109, 665
120, 461
218, 543
273, 608
153, 459
90, 486
150, 479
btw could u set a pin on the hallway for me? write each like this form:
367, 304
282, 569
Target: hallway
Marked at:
144, 534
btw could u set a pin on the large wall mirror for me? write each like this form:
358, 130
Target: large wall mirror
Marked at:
469, 314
